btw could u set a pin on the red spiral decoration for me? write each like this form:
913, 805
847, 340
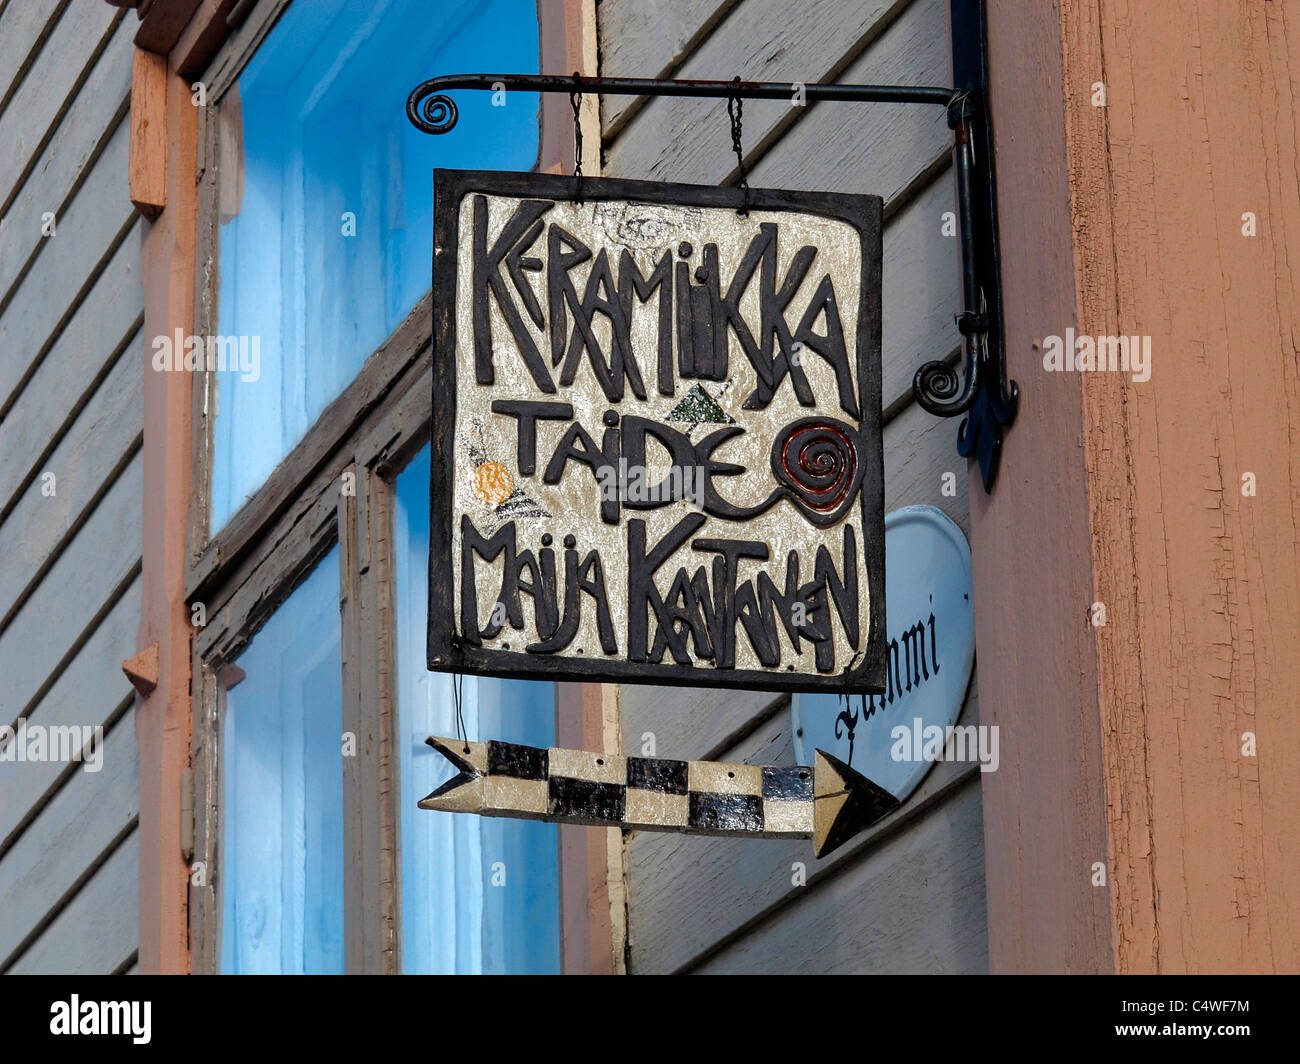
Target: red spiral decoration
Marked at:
816, 459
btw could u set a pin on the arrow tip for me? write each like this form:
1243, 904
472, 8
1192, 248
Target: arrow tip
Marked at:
845, 802
463, 793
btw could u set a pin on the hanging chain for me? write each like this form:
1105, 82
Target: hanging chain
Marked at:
735, 108
575, 101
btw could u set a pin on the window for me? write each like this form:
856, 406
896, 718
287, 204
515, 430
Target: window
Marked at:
283, 857
309, 530
326, 203
496, 909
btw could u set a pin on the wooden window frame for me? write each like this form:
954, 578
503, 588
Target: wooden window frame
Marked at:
247, 569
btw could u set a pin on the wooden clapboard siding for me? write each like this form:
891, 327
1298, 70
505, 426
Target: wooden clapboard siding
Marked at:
86, 461
72, 358
25, 787
915, 905
651, 39
25, 26
49, 85
97, 336
922, 290
729, 905
98, 221
847, 139
68, 159
46, 865
96, 932
761, 40
85, 575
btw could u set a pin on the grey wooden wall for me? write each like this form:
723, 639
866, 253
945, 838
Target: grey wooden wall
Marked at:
71, 313
909, 895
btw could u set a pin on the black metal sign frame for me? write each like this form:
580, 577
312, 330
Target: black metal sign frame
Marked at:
448, 649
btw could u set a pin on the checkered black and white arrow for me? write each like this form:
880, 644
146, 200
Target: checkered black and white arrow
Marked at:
828, 802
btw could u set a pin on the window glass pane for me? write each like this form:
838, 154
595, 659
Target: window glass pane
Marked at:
326, 202
479, 894
282, 855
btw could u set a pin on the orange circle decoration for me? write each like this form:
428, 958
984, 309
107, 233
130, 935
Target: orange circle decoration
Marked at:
493, 483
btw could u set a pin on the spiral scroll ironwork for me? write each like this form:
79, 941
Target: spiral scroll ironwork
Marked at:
431, 111
938, 388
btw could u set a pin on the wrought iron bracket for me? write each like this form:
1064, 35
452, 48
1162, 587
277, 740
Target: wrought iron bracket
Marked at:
980, 393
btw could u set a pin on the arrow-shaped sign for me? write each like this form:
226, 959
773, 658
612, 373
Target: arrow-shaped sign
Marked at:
829, 802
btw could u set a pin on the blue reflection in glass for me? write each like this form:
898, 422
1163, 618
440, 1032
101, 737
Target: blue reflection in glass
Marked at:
479, 894
326, 201
282, 769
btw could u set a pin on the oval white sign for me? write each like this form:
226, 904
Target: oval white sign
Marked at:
930, 629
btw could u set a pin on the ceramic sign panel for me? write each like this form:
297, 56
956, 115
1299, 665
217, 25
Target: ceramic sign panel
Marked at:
930, 653
656, 434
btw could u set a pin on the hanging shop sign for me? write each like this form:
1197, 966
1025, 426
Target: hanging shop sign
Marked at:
656, 434
896, 737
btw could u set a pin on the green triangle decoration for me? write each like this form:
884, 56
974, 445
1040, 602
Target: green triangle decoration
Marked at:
699, 407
